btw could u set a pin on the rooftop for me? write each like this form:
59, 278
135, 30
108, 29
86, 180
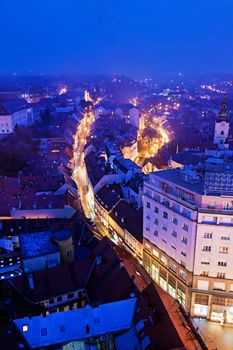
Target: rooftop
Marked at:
175, 176
189, 158
129, 218
36, 244
77, 324
54, 282
109, 195
12, 106
125, 164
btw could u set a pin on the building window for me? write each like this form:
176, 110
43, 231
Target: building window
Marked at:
182, 263
223, 250
166, 203
182, 274
173, 247
219, 286
155, 253
164, 240
59, 299
221, 275
164, 260
184, 240
70, 295
175, 221
51, 301
148, 205
165, 215
156, 233
25, 327
205, 262
225, 238
148, 217
227, 205
156, 221
156, 210
164, 228
69, 253
174, 233
204, 273
207, 235
206, 248
172, 267
212, 204
147, 229
222, 263
185, 227
183, 253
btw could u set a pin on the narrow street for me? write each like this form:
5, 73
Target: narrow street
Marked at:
79, 172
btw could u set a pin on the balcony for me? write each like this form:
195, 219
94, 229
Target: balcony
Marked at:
215, 211
179, 200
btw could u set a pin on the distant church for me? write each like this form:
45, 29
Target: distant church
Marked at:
222, 125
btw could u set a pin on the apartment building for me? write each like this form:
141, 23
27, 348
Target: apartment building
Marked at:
188, 242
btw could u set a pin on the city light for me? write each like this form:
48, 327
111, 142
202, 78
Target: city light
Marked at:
63, 91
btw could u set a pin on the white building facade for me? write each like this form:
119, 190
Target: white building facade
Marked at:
12, 116
188, 242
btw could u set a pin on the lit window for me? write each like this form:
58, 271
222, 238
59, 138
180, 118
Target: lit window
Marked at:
25, 328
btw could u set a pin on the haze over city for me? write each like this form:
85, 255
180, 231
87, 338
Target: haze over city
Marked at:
135, 38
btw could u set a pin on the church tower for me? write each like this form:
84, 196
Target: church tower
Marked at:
221, 131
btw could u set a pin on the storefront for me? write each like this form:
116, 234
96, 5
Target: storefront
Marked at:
163, 278
154, 272
171, 286
181, 295
201, 305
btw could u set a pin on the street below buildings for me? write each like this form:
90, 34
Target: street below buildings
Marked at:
79, 171
217, 337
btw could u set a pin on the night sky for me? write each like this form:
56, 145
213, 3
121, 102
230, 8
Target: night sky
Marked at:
136, 38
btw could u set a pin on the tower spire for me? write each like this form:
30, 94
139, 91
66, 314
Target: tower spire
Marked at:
223, 112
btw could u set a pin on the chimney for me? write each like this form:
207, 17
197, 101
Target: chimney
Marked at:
31, 281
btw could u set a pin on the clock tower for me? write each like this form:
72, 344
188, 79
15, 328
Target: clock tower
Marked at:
221, 131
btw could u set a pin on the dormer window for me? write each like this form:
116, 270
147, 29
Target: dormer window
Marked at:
34, 206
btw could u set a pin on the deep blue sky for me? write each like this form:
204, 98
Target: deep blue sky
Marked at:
137, 38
